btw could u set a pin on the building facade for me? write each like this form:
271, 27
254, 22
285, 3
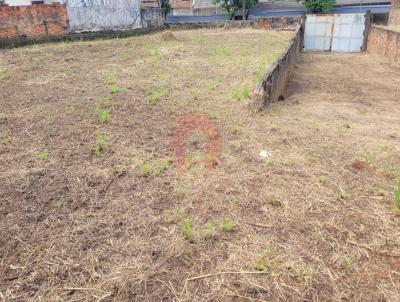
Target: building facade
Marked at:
28, 2
394, 16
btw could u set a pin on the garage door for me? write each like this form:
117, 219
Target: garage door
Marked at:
318, 32
336, 32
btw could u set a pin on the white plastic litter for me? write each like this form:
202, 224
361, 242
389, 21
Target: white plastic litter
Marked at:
265, 154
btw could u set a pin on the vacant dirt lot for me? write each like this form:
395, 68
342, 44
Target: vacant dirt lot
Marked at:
93, 207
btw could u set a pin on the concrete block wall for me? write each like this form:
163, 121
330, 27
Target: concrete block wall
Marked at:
34, 21
272, 85
265, 23
385, 42
95, 15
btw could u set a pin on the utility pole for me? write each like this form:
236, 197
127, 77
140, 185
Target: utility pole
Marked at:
244, 8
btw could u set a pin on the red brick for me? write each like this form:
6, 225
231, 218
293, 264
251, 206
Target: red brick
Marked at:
29, 21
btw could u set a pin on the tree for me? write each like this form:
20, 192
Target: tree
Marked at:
164, 4
231, 6
319, 6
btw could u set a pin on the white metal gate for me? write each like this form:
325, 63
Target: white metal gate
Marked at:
336, 32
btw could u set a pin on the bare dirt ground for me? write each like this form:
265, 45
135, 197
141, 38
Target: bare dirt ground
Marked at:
94, 209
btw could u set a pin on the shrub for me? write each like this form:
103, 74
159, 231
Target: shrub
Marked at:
319, 6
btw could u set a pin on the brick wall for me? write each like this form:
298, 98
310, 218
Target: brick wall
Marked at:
34, 21
384, 42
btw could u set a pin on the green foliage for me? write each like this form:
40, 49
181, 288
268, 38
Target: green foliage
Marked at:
319, 6
397, 196
114, 89
166, 6
266, 260
227, 225
111, 82
187, 229
157, 95
219, 50
308, 275
163, 165
5, 137
237, 94
231, 6
100, 143
209, 231
246, 92
4, 74
44, 154
145, 169
182, 191
151, 167
241, 94
103, 115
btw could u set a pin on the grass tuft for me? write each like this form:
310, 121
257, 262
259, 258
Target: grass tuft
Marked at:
187, 229
246, 92
4, 75
43, 155
100, 143
103, 115
114, 89
227, 225
145, 169
237, 94
265, 260
397, 197
158, 95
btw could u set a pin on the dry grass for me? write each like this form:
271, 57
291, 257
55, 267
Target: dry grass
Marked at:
123, 224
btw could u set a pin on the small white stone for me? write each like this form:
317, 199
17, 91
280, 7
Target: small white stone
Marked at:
265, 154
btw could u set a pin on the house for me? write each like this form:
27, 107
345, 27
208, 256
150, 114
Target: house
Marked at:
195, 8
181, 7
206, 8
151, 4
